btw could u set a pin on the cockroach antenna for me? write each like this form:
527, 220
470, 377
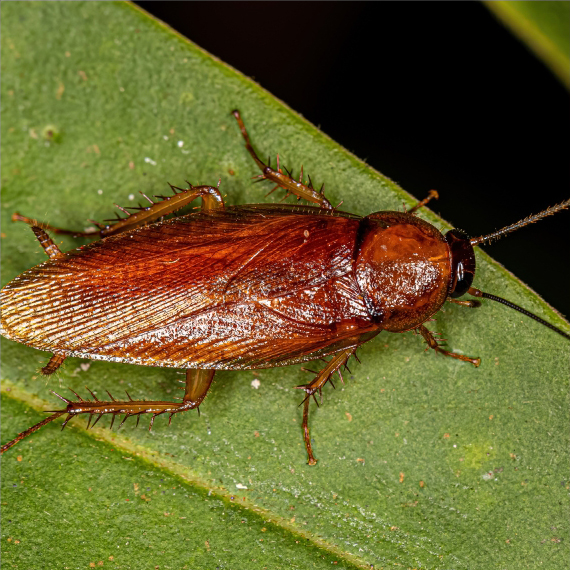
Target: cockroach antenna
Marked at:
521, 224
482, 294
499, 233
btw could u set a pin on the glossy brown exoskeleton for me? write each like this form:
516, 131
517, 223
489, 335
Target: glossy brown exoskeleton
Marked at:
237, 287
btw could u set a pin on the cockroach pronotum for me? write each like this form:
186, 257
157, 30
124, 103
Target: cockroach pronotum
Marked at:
239, 287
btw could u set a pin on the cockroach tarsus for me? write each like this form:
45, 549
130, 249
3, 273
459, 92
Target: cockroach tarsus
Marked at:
239, 287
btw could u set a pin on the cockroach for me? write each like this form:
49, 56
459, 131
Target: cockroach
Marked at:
239, 287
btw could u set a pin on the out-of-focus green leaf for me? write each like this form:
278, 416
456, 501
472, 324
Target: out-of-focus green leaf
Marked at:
424, 462
544, 27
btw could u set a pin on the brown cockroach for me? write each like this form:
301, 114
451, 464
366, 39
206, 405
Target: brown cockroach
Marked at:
239, 287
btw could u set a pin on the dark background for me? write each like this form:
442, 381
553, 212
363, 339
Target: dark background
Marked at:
432, 94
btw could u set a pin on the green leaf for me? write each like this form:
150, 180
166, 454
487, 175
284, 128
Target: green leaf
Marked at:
424, 462
543, 27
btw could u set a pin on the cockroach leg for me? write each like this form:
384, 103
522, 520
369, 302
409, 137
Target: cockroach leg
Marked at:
433, 194
337, 361
17, 217
332, 366
211, 200
432, 343
306, 435
54, 363
52, 251
30, 431
198, 383
472, 303
286, 181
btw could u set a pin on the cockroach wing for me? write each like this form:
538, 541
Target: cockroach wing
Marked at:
242, 287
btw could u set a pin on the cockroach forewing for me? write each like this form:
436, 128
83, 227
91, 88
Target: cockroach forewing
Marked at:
244, 287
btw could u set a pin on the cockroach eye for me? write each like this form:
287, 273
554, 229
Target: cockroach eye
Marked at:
462, 259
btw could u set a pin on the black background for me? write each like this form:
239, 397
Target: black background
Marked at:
432, 94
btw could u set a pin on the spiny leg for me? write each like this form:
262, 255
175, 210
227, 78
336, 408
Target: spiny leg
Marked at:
285, 181
197, 384
432, 343
51, 249
211, 200
306, 435
52, 366
30, 431
337, 361
54, 363
17, 217
433, 194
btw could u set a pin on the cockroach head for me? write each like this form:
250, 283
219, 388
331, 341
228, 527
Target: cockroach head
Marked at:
462, 261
